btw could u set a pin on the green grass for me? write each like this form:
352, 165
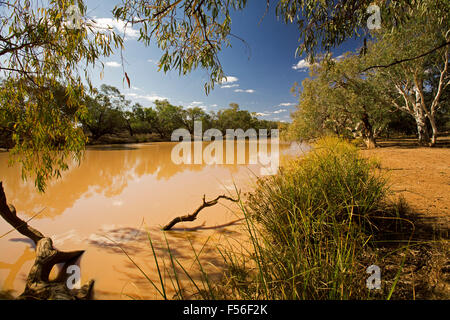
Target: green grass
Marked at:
310, 230
310, 224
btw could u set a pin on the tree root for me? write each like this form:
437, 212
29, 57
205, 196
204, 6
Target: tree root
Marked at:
193, 216
38, 286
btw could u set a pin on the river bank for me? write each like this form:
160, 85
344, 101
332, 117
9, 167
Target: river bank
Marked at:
327, 218
116, 188
116, 195
419, 174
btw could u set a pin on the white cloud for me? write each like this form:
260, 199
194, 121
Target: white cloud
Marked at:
148, 97
286, 104
229, 86
113, 64
342, 56
229, 79
246, 91
152, 97
262, 114
279, 111
196, 104
302, 65
119, 25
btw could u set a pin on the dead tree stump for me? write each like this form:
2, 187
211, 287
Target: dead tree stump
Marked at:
38, 286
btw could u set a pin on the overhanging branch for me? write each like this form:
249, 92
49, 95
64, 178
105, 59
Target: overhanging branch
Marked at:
193, 216
407, 59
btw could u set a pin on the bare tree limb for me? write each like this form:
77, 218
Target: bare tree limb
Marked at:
193, 216
407, 59
8, 212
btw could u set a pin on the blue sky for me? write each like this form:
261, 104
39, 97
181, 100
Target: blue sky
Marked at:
260, 75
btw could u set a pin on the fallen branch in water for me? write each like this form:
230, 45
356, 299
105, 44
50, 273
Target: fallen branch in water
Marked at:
38, 286
193, 216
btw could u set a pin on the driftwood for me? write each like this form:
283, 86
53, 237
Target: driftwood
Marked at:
38, 286
193, 216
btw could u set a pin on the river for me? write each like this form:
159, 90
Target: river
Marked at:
115, 199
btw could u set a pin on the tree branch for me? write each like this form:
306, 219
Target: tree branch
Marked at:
8, 212
407, 59
38, 285
193, 216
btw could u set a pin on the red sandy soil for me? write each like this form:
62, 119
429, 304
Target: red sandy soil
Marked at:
420, 174
422, 177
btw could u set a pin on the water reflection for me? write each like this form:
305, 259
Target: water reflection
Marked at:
14, 268
104, 170
99, 206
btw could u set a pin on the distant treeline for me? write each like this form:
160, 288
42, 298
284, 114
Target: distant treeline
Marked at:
107, 113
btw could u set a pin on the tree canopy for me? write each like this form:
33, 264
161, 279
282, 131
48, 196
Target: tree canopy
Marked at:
41, 48
363, 92
191, 33
39, 51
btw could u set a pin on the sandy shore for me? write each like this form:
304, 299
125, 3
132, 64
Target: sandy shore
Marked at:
421, 175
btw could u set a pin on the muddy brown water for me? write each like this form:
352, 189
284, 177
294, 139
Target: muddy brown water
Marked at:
114, 200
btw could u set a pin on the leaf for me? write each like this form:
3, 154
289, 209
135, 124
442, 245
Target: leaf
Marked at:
128, 79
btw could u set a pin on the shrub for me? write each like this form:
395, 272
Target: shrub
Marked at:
308, 225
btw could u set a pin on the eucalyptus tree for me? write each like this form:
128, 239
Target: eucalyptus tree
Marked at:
419, 83
107, 112
196, 114
191, 33
338, 99
41, 48
168, 118
46, 46
234, 118
364, 102
145, 120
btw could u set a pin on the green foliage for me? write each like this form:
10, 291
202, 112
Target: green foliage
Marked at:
360, 95
43, 127
105, 112
233, 117
309, 226
108, 112
339, 100
169, 117
39, 51
197, 114
417, 86
192, 33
